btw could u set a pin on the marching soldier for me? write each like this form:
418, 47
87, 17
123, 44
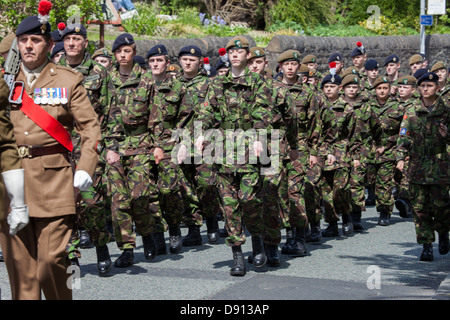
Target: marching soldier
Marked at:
36, 256
424, 138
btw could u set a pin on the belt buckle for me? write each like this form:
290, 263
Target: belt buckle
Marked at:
24, 151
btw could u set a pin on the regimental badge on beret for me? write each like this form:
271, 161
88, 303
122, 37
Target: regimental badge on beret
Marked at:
192, 50
257, 52
77, 29
295, 55
238, 43
394, 59
385, 79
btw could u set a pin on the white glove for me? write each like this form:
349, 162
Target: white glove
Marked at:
14, 181
82, 180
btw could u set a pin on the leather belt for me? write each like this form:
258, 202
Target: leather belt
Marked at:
37, 151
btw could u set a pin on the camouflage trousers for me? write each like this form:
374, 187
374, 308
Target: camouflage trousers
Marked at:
208, 190
96, 209
134, 198
431, 207
380, 176
275, 199
336, 193
239, 194
171, 186
402, 182
357, 187
297, 188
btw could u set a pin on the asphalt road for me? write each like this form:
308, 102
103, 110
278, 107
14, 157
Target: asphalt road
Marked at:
381, 263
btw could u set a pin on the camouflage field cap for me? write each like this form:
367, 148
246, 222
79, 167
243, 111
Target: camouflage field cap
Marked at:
237, 42
102, 52
289, 55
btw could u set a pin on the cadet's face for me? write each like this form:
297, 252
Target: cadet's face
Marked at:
57, 57
257, 65
359, 61
373, 74
106, 62
190, 64
75, 45
312, 66
33, 50
351, 90
331, 90
382, 91
392, 68
405, 91
428, 89
158, 65
339, 66
238, 57
290, 69
443, 74
124, 55
416, 66
222, 71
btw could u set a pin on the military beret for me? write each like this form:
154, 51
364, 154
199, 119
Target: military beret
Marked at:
350, 79
310, 58
350, 70
125, 39
74, 28
392, 58
380, 80
415, 58
428, 77
222, 64
102, 52
359, 50
304, 69
6, 43
141, 61
237, 42
257, 52
335, 57
407, 80
190, 51
33, 25
289, 55
371, 64
420, 72
438, 65
333, 79
57, 48
158, 50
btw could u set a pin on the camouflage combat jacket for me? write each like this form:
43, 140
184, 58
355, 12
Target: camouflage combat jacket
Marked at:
131, 112
390, 117
239, 107
419, 138
338, 133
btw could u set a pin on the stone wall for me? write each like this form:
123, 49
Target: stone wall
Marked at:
438, 47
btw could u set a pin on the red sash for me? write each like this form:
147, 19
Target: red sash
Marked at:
41, 117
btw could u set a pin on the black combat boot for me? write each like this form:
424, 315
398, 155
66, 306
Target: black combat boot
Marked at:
427, 253
175, 242
347, 224
384, 219
273, 259
332, 230
85, 240
104, 263
259, 255
403, 207
212, 227
356, 221
238, 267
160, 243
290, 240
444, 245
370, 201
125, 259
299, 248
149, 247
193, 238
316, 235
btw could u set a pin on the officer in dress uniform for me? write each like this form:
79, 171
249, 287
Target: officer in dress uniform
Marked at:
36, 256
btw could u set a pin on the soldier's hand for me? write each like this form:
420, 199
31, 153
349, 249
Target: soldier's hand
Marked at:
331, 159
380, 150
400, 165
158, 153
356, 163
443, 130
312, 161
182, 153
112, 157
199, 143
257, 148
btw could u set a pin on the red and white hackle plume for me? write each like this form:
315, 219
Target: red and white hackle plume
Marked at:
360, 47
61, 27
206, 64
223, 54
332, 66
44, 11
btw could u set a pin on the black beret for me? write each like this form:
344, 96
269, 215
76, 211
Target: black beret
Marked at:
371, 64
190, 51
32, 25
392, 58
74, 28
56, 36
331, 79
158, 50
141, 61
59, 46
420, 73
335, 57
222, 64
428, 77
125, 39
